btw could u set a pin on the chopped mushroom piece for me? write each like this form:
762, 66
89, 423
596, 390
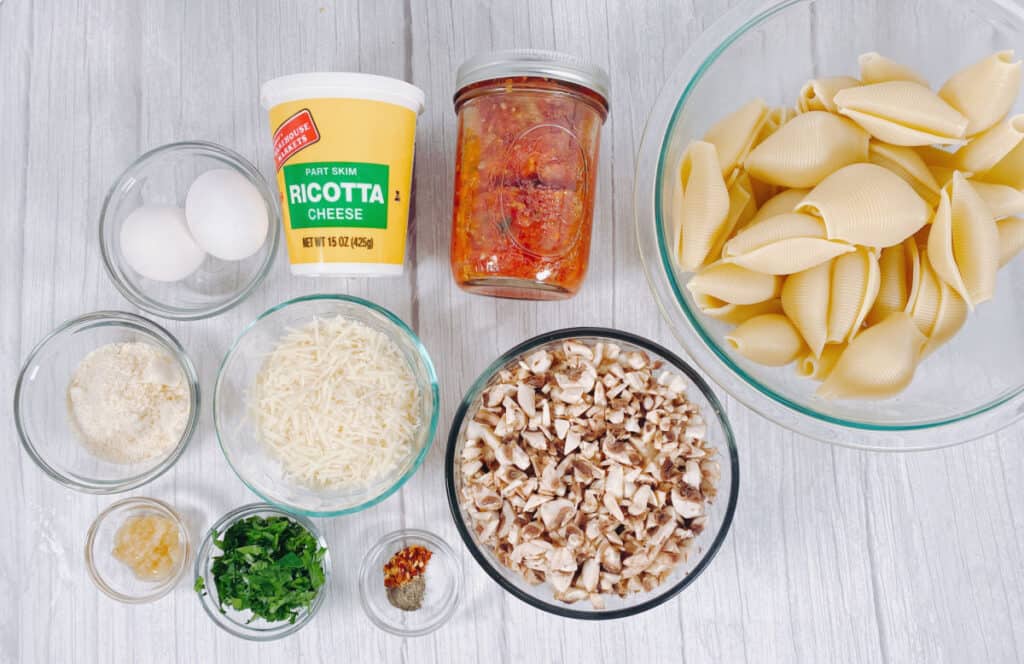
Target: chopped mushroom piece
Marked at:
589, 575
556, 513
535, 439
587, 469
560, 581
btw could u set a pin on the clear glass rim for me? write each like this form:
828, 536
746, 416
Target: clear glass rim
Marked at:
434, 395
161, 589
167, 341
987, 419
205, 553
366, 570
123, 284
610, 334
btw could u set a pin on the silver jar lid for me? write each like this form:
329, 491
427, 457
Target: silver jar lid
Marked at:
533, 62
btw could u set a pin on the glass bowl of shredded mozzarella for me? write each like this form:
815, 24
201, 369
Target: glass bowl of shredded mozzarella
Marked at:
326, 404
107, 402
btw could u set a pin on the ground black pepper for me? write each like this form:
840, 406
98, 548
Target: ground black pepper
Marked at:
409, 595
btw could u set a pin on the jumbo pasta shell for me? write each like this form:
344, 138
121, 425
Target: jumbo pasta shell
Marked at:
807, 149
938, 311
1009, 170
776, 117
1002, 201
879, 363
733, 284
940, 246
819, 94
924, 308
805, 299
985, 91
899, 270
704, 207
784, 244
774, 229
963, 243
819, 367
868, 205
791, 256
876, 68
855, 283
734, 134
950, 317
990, 147
769, 339
902, 113
734, 314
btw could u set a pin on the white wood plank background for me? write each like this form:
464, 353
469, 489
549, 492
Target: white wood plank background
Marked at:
834, 556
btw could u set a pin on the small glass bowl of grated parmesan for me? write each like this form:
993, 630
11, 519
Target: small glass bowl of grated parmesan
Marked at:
326, 405
106, 402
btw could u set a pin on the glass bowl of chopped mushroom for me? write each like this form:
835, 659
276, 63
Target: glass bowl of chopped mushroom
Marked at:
592, 473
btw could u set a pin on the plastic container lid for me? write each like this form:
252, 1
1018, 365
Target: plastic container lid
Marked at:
533, 62
341, 85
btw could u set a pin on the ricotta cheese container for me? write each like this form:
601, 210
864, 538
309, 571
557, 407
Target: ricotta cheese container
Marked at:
343, 151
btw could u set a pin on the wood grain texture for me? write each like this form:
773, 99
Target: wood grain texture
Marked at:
834, 556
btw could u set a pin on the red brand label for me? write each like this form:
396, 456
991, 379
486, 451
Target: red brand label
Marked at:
297, 132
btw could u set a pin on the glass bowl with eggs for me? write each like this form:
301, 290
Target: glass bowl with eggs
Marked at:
326, 404
828, 209
189, 230
107, 402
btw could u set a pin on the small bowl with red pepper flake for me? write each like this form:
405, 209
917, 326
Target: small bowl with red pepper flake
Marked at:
410, 583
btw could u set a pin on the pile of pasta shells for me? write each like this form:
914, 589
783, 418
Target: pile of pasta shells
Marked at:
854, 233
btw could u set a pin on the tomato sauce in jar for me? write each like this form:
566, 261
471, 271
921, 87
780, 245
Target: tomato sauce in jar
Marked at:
529, 129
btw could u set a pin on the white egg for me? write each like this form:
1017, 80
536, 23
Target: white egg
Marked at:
226, 214
156, 243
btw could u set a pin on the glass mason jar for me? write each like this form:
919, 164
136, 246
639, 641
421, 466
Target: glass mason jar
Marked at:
529, 128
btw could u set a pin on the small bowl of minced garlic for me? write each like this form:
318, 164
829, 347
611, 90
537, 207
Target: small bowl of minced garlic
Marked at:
137, 550
106, 402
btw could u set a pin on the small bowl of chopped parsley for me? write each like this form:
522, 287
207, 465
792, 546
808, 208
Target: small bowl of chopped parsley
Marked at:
261, 572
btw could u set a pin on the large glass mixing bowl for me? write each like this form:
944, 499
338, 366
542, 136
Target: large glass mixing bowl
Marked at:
971, 387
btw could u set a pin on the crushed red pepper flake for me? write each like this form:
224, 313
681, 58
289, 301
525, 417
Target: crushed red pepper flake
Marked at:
406, 565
